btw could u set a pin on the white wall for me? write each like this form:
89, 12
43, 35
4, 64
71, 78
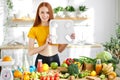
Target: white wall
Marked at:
104, 18
1, 21
119, 11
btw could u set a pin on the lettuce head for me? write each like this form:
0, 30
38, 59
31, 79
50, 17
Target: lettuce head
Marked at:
104, 55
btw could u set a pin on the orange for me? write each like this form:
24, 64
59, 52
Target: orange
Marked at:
26, 77
17, 74
7, 58
93, 73
26, 72
113, 74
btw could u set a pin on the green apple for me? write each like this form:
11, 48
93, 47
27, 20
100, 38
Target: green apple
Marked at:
54, 65
64, 65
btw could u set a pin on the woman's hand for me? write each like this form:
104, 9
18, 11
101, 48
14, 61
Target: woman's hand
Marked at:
48, 40
61, 47
72, 36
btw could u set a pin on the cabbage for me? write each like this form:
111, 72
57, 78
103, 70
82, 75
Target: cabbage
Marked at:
104, 56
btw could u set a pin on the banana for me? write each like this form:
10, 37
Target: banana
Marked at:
104, 67
109, 70
108, 67
110, 64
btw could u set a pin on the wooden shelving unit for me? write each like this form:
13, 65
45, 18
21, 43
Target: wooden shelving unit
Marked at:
22, 19
29, 19
74, 18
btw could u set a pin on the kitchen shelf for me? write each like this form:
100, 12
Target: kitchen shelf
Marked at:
74, 18
31, 20
22, 19
4, 47
96, 45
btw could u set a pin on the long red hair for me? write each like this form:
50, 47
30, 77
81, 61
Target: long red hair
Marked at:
37, 18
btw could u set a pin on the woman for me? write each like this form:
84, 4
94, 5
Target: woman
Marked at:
40, 32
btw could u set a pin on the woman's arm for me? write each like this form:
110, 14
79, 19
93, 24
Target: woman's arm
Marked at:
32, 50
61, 47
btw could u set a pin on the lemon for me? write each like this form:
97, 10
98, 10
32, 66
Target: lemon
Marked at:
93, 73
45, 67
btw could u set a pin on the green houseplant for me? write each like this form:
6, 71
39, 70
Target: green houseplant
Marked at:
9, 8
70, 11
82, 8
81, 11
113, 45
7, 22
59, 11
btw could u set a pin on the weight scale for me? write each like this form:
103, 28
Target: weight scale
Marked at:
6, 72
60, 31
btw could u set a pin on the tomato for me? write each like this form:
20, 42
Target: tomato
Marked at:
56, 74
56, 78
51, 77
47, 78
43, 78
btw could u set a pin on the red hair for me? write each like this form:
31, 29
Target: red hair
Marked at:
37, 18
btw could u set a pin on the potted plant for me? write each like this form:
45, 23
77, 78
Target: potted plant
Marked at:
9, 9
82, 9
113, 46
59, 11
7, 23
70, 11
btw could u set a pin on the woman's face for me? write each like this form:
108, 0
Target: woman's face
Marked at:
44, 14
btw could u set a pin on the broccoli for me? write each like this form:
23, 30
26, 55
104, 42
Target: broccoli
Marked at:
73, 69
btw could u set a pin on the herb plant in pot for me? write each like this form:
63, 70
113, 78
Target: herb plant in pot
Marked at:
59, 11
113, 46
70, 11
82, 9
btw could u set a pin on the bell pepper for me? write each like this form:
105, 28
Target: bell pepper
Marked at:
69, 61
78, 64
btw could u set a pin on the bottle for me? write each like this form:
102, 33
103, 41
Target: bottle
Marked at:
39, 65
25, 64
98, 67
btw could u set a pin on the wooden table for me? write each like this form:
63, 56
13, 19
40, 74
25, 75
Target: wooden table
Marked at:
117, 78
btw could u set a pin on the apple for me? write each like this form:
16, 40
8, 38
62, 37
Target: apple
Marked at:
54, 65
64, 65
